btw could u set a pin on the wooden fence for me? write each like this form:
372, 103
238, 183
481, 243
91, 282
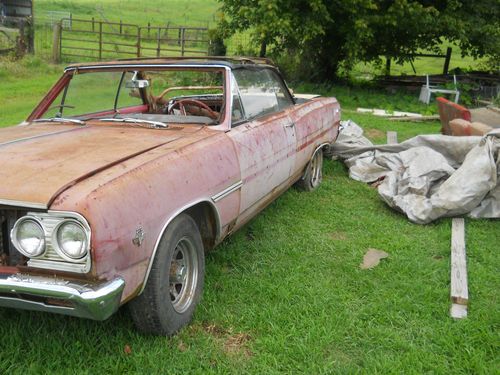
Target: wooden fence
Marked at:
100, 40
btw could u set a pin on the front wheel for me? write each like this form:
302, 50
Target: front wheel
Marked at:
175, 283
313, 174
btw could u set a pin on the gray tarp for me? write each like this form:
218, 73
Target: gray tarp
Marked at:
428, 176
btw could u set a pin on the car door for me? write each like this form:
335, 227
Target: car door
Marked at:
263, 136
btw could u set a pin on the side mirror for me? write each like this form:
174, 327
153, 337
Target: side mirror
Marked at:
136, 83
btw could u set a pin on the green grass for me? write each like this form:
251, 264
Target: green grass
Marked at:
158, 12
285, 293
422, 65
24, 84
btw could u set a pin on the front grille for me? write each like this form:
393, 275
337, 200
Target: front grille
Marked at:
9, 256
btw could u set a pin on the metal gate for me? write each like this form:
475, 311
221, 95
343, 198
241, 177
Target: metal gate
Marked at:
99, 40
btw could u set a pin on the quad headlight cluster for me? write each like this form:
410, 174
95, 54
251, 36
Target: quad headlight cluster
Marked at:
41, 236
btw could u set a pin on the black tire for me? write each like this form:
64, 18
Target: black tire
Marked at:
313, 174
175, 283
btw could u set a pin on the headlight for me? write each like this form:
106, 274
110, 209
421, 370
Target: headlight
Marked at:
71, 240
28, 237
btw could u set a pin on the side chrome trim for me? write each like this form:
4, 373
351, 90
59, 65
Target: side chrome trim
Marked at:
167, 222
224, 193
82, 299
22, 204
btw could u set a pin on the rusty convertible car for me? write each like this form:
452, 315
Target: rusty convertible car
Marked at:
128, 171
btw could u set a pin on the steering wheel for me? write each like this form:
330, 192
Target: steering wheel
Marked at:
182, 103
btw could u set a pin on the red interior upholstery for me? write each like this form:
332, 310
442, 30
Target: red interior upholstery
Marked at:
449, 111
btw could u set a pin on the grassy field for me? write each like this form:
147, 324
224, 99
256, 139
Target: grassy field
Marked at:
157, 12
422, 65
203, 13
285, 293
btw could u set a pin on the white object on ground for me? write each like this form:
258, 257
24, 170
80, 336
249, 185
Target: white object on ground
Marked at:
428, 176
385, 113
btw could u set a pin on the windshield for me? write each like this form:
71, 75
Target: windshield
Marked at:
175, 95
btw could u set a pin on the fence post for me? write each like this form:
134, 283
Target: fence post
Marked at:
93, 24
183, 40
149, 29
100, 40
447, 61
121, 27
56, 43
139, 42
166, 33
159, 41
388, 66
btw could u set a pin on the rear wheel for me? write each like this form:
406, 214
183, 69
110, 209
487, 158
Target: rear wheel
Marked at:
175, 283
313, 174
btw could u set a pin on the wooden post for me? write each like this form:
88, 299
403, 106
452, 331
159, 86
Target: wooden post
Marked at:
166, 33
93, 24
121, 27
56, 43
158, 47
183, 41
139, 42
447, 59
263, 49
149, 29
388, 66
459, 292
392, 138
100, 40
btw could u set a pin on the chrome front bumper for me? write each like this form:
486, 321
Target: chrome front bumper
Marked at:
81, 299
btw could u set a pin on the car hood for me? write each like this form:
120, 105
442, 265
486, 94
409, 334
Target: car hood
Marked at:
40, 161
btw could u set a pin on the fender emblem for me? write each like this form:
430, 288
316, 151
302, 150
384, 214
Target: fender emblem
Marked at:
139, 237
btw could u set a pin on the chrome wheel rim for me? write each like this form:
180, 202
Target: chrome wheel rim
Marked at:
316, 167
183, 275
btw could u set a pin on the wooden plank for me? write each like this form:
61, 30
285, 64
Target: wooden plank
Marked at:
458, 311
415, 118
392, 138
459, 291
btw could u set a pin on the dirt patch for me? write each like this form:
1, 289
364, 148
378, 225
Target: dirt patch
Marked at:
338, 236
238, 345
214, 330
235, 344
182, 346
374, 133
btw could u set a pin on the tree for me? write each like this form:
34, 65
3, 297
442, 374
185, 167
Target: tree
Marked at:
325, 35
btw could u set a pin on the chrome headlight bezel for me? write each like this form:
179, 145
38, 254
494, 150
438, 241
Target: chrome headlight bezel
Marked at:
53, 258
16, 242
60, 249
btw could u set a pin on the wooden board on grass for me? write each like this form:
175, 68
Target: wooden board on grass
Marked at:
459, 292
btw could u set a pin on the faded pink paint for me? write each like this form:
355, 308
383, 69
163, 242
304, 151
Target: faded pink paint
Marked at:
121, 177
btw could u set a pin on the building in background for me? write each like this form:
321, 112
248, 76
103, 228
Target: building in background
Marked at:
16, 18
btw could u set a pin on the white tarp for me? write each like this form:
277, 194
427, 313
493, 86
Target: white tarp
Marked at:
428, 176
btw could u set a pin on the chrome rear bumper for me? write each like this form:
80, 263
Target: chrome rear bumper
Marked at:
81, 299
